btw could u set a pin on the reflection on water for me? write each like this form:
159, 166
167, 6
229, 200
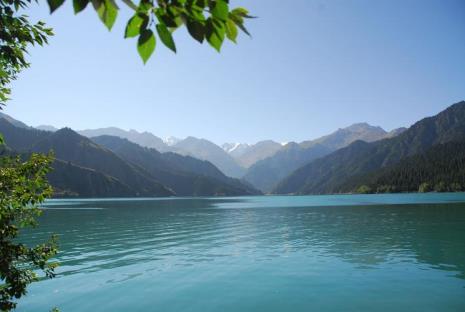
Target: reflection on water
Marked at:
327, 253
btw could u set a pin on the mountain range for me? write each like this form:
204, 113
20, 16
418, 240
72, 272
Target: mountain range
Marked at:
185, 175
85, 168
262, 164
359, 158
350, 167
265, 174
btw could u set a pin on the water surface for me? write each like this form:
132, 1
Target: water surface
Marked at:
280, 253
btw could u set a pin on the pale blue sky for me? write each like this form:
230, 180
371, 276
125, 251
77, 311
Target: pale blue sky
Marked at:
310, 68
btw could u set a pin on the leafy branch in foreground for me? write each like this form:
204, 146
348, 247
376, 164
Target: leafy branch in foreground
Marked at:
16, 33
205, 20
23, 186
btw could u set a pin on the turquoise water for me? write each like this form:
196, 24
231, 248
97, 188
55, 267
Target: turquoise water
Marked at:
310, 253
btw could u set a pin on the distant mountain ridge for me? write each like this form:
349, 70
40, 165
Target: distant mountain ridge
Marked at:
47, 128
237, 158
344, 136
13, 121
85, 168
235, 149
267, 173
329, 174
146, 139
207, 150
186, 175
198, 148
248, 154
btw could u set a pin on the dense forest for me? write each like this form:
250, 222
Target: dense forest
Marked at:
440, 169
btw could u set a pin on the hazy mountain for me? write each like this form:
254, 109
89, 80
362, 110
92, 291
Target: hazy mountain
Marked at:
13, 121
118, 167
345, 136
70, 146
330, 173
170, 141
184, 174
395, 132
206, 150
248, 154
145, 139
79, 151
256, 152
47, 128
235, 149
265, 174
198, 148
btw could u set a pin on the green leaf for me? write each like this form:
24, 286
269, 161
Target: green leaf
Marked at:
196, 29
135, 25
220, 10
54, 4
231, 30
240, 12
146, 44
111, 12
166, 37
79, 5
171, 16
107, 11
215, 31
195, 5
239, 21
242, 27
2, 140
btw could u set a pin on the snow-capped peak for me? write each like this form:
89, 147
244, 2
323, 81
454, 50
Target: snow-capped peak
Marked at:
170, 141
232, 147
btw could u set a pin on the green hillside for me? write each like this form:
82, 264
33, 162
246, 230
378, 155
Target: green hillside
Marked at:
440, 169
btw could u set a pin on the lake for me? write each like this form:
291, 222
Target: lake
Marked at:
399, 252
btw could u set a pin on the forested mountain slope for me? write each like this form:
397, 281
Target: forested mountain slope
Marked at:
441, 169
328, 174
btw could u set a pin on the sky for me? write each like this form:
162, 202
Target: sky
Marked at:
311, 67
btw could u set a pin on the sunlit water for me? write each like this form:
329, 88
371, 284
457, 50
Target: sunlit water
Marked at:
311, 253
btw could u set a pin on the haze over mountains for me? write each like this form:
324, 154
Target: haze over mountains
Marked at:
115, 162
265, 174
262, 164
85, 168
248, 154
